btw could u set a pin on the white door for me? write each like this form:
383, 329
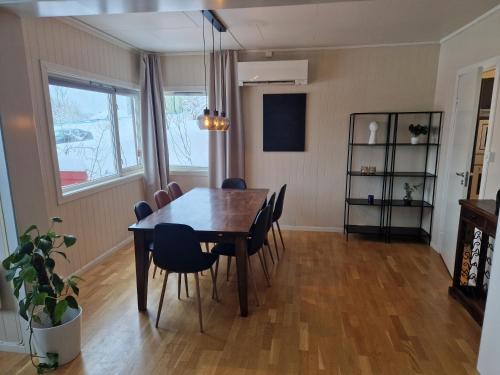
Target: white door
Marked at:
459, 157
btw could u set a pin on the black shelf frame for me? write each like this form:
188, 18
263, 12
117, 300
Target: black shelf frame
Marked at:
385, 228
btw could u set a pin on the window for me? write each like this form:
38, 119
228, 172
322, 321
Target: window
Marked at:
187, 144
96, 131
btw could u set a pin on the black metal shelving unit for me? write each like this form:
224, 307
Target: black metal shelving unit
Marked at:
390, 145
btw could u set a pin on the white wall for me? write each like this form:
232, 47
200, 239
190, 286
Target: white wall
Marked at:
21, 152
477, 43
340, 82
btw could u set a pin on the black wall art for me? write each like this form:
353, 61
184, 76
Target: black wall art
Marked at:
284, 122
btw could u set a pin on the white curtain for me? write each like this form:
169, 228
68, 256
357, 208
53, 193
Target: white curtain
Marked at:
154, 132
226, 149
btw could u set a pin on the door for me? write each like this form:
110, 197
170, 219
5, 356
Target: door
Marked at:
459, 157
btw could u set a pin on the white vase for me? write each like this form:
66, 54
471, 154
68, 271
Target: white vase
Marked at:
65, 340
373, 126
414, 140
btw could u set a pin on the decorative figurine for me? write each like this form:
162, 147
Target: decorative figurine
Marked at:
373, 126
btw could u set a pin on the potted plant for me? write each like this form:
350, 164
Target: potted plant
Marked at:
409, 190
48, 303
415, 131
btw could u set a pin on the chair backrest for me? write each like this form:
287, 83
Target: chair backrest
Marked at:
234, 183
142, 210
177, 248
174, 190
162, 198
278, 208
258, 233
271, 210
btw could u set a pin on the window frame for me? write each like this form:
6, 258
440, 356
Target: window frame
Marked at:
83, 80
180, 170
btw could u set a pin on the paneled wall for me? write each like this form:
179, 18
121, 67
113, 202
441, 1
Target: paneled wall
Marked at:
340, 82
99, 220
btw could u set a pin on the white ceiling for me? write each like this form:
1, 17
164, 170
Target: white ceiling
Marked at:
297, 26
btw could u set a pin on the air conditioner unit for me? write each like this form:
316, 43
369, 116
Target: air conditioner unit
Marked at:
286, 72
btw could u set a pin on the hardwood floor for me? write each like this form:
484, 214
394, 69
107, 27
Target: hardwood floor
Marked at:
335, 307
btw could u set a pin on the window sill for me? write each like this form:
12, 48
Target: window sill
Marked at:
198, 172
94, 189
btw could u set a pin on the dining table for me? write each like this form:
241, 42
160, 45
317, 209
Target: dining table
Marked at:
216, 215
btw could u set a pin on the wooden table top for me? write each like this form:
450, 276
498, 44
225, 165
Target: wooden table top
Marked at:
209, 210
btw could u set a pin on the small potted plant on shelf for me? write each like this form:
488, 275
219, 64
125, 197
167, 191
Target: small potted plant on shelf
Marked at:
416, 131
47, 302
409, 190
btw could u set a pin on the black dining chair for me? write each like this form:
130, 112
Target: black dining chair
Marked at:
142, 210
234, 183
278, 210
269, 224
254, 246
177, 250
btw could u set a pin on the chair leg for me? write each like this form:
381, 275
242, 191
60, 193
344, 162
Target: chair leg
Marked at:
252, 279
214, 282
179, 282
206, 247
281, 236
228, 268
264, 268
275, 243
270, 251
161, 298
186, 285
149, 265
199, 301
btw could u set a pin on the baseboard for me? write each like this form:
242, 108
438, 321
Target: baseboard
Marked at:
104, 255
312, 229
13, 347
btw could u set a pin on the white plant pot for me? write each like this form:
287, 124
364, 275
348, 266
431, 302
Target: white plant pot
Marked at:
64, 340
414, 140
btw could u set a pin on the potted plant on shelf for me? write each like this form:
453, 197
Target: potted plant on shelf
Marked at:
47, 302
409, 190
415, 131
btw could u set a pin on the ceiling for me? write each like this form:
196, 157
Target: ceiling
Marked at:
312, 24
298, 26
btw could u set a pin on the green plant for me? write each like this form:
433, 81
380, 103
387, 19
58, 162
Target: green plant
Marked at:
416, 130
32, 265
409, 190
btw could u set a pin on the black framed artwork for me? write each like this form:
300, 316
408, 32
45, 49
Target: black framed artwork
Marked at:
284, 121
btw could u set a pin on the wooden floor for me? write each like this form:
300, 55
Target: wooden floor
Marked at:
335, 307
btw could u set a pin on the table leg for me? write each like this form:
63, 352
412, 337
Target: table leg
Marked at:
241, 267
141, 269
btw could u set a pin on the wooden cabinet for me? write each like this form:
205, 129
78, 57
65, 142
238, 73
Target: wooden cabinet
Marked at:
476, 233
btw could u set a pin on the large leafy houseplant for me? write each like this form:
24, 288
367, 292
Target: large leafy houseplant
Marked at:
47, 295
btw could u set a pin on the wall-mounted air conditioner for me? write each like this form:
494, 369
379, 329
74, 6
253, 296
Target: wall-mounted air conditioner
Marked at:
286, 72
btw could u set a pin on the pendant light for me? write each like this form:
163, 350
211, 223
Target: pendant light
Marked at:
205, 120
224, 121
211, 120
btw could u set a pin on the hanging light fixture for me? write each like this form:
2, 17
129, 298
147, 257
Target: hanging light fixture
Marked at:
205, 120
211, 120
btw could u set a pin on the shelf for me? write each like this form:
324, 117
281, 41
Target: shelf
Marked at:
385, 202
393, 144
364, 202
409, 232
473, 304
395, 174
365, 229
412, 174
358, 174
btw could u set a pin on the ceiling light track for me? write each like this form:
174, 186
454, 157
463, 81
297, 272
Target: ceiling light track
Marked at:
214, 20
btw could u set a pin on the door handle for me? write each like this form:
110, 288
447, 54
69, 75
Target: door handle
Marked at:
460, 174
